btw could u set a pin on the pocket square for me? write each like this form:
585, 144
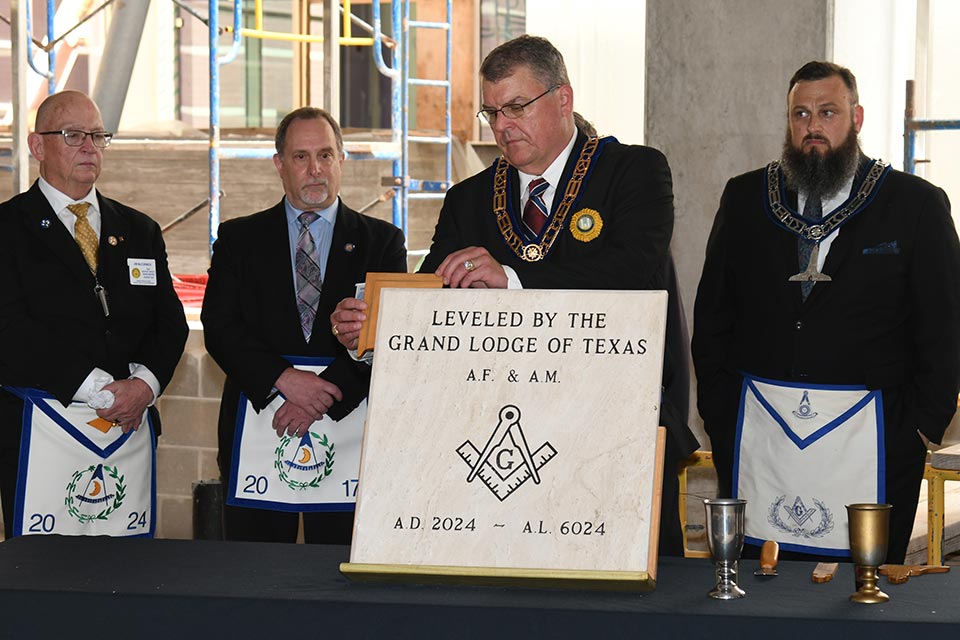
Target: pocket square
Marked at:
892, 247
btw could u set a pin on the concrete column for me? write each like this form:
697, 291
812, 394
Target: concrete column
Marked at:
331, 58
19, 39
717, 75
119, 55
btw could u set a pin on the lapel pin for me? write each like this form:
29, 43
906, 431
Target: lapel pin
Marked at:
349, 247
112, 241
45, 223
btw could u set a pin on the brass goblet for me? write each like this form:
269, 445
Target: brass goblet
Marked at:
869, 532
725, 520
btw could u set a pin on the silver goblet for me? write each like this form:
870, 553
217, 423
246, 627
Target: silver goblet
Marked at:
725, 518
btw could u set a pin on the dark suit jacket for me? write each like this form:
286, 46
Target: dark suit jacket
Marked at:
52, 328
890, 319
250, 316
631, 188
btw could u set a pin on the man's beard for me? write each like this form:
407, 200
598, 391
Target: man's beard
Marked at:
820, 174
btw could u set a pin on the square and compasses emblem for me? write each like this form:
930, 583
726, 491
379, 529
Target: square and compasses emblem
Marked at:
506, 461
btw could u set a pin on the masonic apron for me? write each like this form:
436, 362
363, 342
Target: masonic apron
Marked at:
316, 472
79, 475
802, 453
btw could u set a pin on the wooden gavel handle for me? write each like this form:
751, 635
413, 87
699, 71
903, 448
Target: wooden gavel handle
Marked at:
824, 571
769, 555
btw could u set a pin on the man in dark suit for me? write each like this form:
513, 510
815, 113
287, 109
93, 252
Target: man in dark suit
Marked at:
887, 318
254, 315
605, 220
87, 306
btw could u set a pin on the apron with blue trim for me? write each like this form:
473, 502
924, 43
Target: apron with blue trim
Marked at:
78, 475
802, 453
317, 472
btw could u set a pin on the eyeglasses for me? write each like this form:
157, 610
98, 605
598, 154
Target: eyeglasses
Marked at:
512, 111
75, 137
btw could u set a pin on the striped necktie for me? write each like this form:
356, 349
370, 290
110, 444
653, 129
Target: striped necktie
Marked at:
535, 213
309, 280
84, 234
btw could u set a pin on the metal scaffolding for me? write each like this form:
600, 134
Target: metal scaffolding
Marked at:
128, 29
912, 124
397, 69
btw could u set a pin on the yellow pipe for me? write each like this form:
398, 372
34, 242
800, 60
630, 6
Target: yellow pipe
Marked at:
274, 35
258, 14
347, 22
294, 37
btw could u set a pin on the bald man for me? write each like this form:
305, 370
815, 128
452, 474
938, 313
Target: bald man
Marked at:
88, 318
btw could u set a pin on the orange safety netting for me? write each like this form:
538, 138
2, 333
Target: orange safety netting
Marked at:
190, 288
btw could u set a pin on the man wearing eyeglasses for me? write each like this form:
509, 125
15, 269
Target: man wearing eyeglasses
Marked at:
561, 210
88, 315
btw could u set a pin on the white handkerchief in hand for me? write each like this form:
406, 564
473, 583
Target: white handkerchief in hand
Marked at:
101, 400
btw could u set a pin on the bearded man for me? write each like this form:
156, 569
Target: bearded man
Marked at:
827, 329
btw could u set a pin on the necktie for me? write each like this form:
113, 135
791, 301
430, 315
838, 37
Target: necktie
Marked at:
84, 234
535, 213
309, 280
813, 212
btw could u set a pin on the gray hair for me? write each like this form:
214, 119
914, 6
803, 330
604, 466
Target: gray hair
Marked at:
306, 113
533, 52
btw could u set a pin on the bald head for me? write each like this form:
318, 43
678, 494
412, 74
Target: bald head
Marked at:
71, 170
59, 105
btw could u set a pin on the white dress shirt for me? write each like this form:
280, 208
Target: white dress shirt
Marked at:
90, 390
552, 175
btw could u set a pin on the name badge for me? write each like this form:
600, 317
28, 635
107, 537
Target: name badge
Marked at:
143, 271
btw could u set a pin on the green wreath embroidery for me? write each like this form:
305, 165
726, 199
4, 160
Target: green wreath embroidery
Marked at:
121, 492
327, 465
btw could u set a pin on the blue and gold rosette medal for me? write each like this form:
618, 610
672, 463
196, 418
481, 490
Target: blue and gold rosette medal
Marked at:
585, 225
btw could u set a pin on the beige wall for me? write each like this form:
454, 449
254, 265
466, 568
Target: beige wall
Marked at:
603, 49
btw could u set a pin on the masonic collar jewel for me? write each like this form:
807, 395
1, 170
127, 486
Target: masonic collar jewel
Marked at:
812, 273
795, 223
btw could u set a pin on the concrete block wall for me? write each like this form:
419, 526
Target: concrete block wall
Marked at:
187, 449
